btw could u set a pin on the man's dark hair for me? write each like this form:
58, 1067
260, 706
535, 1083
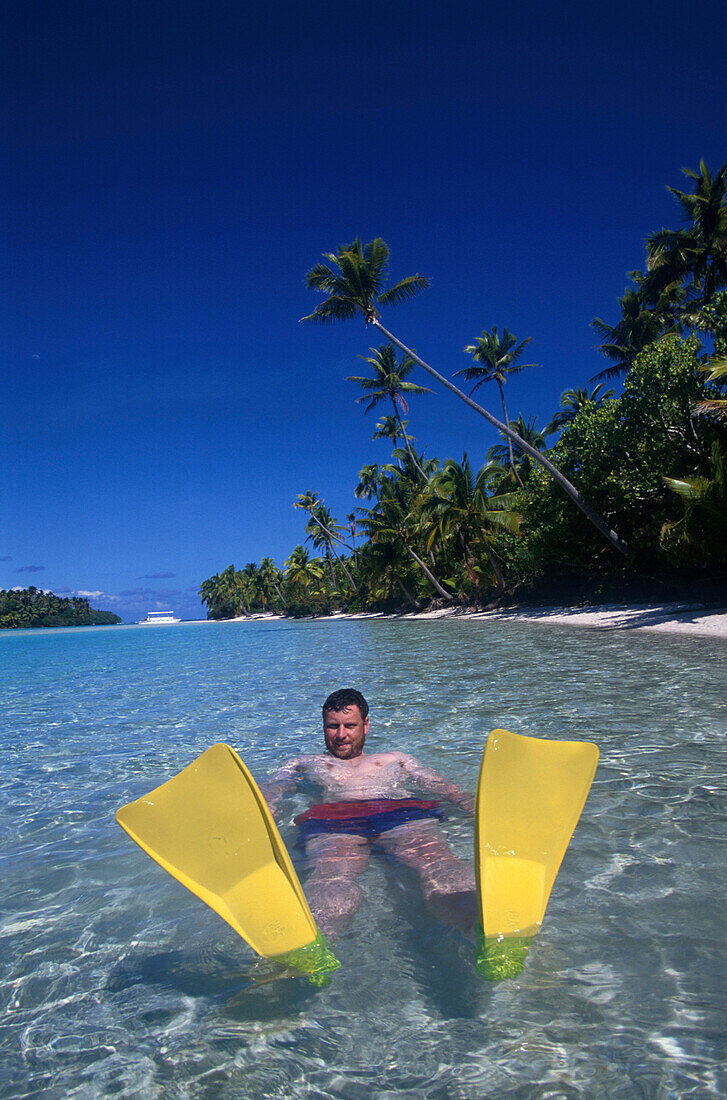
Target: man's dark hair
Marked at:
343, 698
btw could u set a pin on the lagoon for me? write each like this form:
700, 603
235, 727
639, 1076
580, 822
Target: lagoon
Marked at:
115, 981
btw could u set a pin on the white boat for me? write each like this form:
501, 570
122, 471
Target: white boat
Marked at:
159, 618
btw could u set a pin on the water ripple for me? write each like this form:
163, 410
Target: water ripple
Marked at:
115, 981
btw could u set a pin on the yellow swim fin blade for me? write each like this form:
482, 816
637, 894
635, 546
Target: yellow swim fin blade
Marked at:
211, 829
530, 794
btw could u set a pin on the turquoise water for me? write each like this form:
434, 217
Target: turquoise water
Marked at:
114, 981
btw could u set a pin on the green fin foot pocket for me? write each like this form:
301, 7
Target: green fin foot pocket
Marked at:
500, 957
315, 960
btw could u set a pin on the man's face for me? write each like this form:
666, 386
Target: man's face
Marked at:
345, 732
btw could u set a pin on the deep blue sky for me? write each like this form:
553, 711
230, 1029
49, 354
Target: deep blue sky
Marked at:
171, 170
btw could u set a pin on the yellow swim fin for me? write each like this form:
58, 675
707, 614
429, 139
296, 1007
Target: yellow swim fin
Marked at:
210, 828
530, 794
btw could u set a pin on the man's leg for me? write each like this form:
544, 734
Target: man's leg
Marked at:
331, 889
448, 883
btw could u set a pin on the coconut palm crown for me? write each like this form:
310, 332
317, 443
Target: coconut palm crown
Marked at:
388, 380
638, 326
354, 283
495, 358
389, 427
572, 401
695, 256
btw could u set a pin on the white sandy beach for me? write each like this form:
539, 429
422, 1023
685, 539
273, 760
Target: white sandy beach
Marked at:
671, 618
665, 618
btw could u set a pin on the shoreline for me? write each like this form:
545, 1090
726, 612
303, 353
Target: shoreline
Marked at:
667, 618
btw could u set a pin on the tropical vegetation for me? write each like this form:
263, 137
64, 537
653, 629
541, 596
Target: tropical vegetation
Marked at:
619, 493
26, 607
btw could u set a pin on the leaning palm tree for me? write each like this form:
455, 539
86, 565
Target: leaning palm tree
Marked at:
388, 382
351, 517
323, 531
312, 504
354, 281
412, 470
496, 357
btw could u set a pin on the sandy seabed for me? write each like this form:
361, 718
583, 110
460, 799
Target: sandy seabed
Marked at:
671, 618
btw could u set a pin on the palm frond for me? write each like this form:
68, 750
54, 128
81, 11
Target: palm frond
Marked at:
601, 328
321, 278
333, 309
373, 399
608, 373
413, 387
717, 366
364, 382
405, 289
716, 406
688, 488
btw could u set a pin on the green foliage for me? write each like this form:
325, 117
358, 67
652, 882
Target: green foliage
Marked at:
649, 464
31, 607
443, 531
619, 454
571, 403
702, 529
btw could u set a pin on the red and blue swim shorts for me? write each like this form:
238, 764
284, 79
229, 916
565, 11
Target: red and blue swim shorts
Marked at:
365, 818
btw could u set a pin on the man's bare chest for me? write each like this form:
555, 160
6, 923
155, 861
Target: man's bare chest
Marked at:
361, 775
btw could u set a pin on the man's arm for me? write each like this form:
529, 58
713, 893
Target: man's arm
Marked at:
283, 781
431, 781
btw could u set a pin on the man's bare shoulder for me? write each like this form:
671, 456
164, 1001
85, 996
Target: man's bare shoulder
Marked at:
302, 763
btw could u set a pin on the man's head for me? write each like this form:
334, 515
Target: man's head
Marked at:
345, 723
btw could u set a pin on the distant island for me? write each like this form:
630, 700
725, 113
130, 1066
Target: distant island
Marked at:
26, 607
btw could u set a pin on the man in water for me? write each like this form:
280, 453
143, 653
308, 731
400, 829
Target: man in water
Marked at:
367, 801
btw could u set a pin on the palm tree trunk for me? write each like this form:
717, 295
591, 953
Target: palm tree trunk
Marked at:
429, 575
343, 567
561, 479
407, 595
468, 563
325, 529
515, 474
496, 568
406, 440
280, 595
332, 536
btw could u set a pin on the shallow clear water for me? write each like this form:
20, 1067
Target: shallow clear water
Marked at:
114, 981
